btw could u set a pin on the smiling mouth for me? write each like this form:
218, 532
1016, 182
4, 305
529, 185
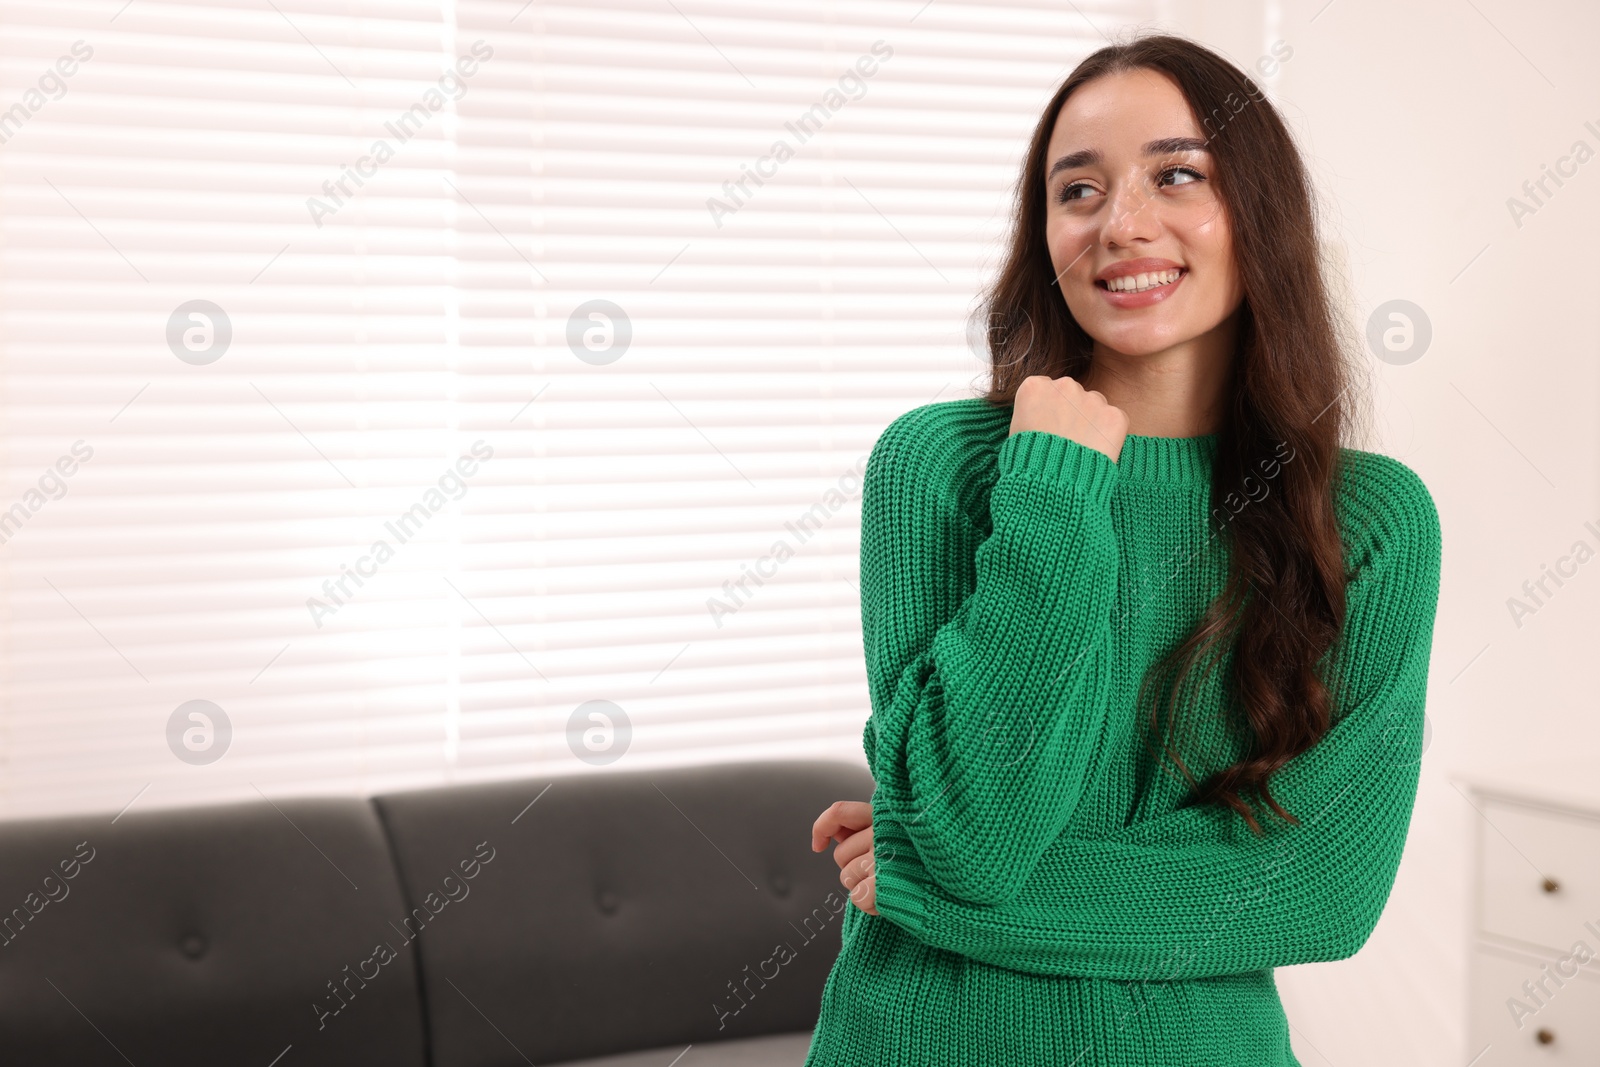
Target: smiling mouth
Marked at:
1139, 283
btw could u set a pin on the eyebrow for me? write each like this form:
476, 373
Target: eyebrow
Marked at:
1086, 157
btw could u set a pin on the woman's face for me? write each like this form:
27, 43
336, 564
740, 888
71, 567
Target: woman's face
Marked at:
1128, 188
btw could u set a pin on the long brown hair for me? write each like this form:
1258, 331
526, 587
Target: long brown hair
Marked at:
1283, 605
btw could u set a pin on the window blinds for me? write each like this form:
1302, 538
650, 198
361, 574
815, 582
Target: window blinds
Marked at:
412, 392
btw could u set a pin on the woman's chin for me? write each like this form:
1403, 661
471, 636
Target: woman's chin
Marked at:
1136, 343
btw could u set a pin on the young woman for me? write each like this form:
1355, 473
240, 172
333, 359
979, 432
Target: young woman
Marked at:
1147, 646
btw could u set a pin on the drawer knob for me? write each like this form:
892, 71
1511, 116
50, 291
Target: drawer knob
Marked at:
1545, 1037
1550, 885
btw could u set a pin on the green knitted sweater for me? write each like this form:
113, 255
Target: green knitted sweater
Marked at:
1045, 894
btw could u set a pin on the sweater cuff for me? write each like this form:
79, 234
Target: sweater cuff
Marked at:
898, 878
1060, 460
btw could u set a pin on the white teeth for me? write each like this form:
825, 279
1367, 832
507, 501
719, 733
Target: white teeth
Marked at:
1133, 283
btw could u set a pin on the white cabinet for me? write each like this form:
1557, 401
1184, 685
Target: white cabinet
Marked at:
1535, 966
1526, 1013
1539, 873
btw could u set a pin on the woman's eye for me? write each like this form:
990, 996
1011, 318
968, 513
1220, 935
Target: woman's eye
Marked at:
1183, 170
1064, 194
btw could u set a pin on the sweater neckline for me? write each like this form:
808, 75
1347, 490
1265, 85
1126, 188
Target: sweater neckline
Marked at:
1167, 460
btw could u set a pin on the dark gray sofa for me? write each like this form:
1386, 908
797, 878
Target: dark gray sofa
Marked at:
609, 919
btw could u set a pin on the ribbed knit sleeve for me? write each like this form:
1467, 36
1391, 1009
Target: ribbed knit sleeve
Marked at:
1194, 893
989, 668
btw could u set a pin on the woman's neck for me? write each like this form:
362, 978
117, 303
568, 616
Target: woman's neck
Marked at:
1177, 392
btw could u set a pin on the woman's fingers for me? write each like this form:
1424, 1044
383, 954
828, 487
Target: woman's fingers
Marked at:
865, 895
839, 821
1064, 407
843, 821
854, 872
857, 844
859, 880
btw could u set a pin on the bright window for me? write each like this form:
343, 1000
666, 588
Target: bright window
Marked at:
398, 379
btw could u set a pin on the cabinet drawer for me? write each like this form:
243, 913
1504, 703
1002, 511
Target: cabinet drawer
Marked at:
1568, 1021
1539, 875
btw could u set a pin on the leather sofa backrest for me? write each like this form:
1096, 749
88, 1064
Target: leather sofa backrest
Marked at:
614, 911
203, 936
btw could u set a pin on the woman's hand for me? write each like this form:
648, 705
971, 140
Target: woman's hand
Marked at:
1062, 406
849, 822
